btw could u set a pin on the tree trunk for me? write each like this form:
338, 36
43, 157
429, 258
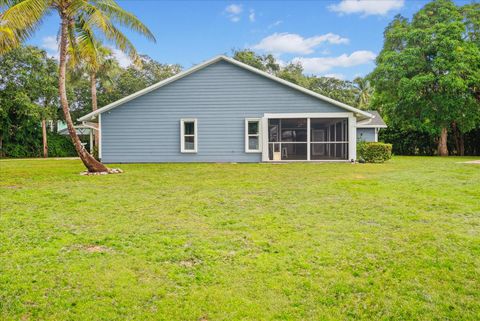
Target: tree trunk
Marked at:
93, 90
442, 143
44, 138
88, 160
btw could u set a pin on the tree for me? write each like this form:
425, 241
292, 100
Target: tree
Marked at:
471, 15
88, 57
21, 18
364, 92
340, 90
134, 78
427, 70
28, 97
293, 72
265, 63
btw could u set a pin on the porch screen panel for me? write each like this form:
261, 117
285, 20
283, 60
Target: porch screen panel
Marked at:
287, 139
329, 138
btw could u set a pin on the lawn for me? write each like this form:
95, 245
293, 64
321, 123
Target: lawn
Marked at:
393, 241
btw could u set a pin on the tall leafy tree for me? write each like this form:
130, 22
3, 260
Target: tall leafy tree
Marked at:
28, 96
471, 14
135, 77
427, 71
22, 17
265, 63
338, 89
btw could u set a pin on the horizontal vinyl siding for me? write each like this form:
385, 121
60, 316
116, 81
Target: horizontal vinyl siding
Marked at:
366, 134
220, 97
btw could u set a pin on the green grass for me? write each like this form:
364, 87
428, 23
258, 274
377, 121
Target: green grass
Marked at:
393, 241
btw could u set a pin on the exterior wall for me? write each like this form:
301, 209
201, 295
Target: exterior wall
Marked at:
220, 97
366, 134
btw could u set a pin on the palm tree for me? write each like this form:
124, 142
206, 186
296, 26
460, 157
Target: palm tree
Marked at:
97, 17
88, 56
365, 92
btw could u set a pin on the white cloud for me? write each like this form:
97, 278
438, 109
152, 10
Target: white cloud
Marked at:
293, 43
50, 44
233, 11
123, 60
335, 75
367, 7
321, 65
251, 16
275, 24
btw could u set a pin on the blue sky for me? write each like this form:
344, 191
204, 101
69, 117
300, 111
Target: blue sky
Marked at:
337, 38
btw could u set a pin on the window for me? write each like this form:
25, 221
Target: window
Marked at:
252, 135
188, 133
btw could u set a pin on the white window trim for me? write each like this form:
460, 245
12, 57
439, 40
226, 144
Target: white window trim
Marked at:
182, 135
259, 135
100, 136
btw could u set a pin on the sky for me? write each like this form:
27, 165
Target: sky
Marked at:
335, 38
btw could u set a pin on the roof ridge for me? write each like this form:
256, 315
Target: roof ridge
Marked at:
207, 63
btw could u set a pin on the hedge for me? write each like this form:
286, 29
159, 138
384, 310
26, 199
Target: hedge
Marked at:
373, 152
31, 146
60, 146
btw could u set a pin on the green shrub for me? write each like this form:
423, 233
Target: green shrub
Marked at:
373, 152
60, 146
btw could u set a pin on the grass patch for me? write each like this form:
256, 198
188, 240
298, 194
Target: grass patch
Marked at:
393, 241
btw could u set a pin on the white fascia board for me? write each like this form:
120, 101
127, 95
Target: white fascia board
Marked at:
90, 125
307, 115
371, 126
92, 115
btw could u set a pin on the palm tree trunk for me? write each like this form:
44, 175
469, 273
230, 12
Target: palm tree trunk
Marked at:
44, 138
93, 90
442, 143
88, 160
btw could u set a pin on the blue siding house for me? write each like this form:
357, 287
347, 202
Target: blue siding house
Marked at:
226, 111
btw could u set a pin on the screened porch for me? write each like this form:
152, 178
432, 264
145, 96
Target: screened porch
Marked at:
302, 139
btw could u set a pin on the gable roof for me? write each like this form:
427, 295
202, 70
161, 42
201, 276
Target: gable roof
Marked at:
187, 72
375, 122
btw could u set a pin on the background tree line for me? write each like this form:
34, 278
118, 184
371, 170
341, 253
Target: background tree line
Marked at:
29, 95
426, 85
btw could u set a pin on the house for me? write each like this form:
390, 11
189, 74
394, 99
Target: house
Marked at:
226, 111
84, 132
367, 130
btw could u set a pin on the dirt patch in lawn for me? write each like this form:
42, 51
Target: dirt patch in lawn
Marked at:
472, 162
96, 249
90, 248
12, 187
191, 262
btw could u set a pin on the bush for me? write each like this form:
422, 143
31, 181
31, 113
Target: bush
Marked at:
373, 152
60, 146
409, 142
